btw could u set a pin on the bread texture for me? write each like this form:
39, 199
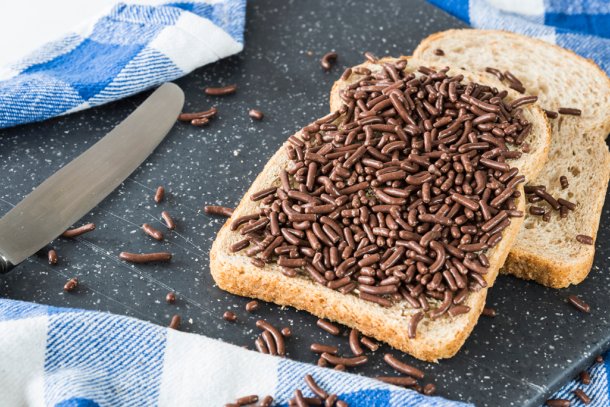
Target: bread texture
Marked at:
436, 338
548, 252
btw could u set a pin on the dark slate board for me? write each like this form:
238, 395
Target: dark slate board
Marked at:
536, 343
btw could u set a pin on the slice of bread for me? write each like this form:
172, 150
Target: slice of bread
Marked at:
436, 338
548, 252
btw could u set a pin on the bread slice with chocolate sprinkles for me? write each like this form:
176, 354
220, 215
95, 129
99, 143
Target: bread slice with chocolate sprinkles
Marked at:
577, 92
383, 222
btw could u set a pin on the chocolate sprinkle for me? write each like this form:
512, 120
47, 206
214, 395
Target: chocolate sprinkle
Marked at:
584, 239
579, 304
71, 285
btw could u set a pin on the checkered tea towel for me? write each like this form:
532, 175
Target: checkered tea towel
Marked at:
130, 49
580, 25
63, 357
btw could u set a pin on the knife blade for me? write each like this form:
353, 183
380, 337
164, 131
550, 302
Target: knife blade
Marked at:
75, 189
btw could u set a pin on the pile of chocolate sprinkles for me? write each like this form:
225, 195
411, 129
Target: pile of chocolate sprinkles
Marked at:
397, 195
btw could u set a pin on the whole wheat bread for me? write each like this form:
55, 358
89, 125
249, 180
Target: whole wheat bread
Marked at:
436, 339
548, 252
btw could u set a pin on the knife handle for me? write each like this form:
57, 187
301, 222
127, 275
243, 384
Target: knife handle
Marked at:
5, 264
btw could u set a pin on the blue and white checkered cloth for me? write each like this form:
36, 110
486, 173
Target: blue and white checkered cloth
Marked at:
62, 357
128, 50
580, 25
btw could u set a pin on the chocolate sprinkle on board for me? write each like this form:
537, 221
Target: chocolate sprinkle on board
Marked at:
579, 304
71, 285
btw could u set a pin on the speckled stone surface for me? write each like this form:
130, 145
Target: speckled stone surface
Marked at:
537, 341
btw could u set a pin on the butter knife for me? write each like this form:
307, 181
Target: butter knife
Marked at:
75, 189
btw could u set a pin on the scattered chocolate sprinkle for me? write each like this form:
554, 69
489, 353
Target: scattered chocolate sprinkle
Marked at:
267, 401
220, 91
337, 360
260, 345
489, 312
175, 322
496, 72
328, 327
252, 306
340, 367
159, 194
558, 403
370, 57
439, 52
582, 396
514, 82
286, 332
79, 230
413, 322
218, 210
599, 359
551, 115
328, 60
403, 367
523, 101
257, 262
346, 74
169, 221
369, 343
563, 180
52, 256
269, 342
579, 304
277, 336
170, 298
229, 316
145, 257
398, 380
538, 193
257, 196
245, 400
240, 245
71, 285
429, 389
206, 114
584, 239
570, 205
354, 343
317, 390
569, 111
200, 122
320, 348
585, 377
256, 114
152, 232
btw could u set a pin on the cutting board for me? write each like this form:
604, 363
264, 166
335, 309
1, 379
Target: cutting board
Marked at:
536, 343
